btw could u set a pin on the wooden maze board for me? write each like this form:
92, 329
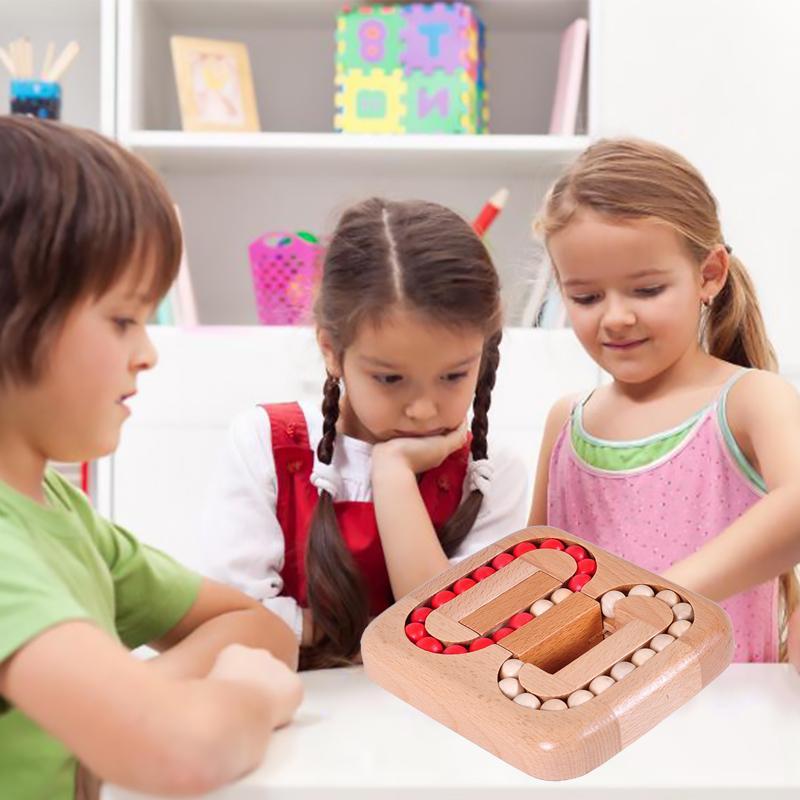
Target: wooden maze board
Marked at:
548, 651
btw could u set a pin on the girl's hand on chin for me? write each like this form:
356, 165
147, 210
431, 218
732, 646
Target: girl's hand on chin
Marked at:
418, 454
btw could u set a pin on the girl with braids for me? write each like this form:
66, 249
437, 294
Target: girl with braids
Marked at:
688, 461
327, 518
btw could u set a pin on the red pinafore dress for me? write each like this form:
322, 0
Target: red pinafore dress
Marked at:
441, 490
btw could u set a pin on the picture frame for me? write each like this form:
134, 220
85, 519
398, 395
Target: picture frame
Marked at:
215, 85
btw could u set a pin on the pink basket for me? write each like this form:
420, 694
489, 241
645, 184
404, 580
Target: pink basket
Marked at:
285, 269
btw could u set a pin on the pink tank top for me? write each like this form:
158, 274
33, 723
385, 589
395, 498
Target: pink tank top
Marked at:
660, 513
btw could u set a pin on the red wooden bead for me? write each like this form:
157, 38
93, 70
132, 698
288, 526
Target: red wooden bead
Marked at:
518, 620
420, 614
462, 584
523, 547
498, 562
440, 598
430, 644
552, 544
479, 643
587, 566
452, 649
576, 551
415, 631
483, 572
501, 632
577, 582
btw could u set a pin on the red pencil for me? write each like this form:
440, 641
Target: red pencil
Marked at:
490, 210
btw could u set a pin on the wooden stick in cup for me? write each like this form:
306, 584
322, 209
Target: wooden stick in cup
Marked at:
8, 62
48, 59
63, 61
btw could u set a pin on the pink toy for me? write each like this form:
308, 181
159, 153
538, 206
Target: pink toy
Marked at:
285, 269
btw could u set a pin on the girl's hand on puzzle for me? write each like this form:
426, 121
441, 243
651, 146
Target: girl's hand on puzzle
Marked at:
418, 454
260, 669
793, 642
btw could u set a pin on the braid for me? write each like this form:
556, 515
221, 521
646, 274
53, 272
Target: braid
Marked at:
460, 524
330, 415
336, 593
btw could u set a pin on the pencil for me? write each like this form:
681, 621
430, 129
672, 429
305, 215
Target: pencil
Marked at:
490, 210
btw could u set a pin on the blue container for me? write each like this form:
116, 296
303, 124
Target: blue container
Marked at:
37, 98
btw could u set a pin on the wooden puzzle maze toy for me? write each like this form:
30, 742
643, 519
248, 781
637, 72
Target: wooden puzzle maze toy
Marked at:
548, 651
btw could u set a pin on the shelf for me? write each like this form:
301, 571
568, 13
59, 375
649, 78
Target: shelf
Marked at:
503, 14
473, 154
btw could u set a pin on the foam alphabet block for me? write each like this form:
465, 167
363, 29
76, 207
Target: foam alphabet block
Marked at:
415, 68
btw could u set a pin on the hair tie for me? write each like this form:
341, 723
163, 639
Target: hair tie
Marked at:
479, 475
325, 478
728, 248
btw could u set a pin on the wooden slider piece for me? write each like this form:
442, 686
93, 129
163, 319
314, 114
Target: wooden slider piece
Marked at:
554, 562
487, 590
560, 635
638, 620
517, 598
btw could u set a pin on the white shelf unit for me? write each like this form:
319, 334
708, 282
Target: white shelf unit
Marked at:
299, 175
88, 89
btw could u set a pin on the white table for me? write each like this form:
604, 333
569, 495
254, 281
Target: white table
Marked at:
740, 737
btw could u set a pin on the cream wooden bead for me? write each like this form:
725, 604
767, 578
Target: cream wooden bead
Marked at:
641, 590
621, 669
679, 627
683, 611
510, 687
528, 700
555, 704
658, 643
668, 596
540, 606
579, 697
601, 683
640, 656
559, 595
608, 601
511, 668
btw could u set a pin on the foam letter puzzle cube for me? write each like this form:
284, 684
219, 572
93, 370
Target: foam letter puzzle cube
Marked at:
415, 68
548, 651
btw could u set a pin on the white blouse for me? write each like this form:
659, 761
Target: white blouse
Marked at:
242, 541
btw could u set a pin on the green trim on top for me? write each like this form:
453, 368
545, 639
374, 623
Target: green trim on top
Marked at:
733, 446
628, 455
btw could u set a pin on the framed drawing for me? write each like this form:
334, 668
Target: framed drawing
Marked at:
215, 85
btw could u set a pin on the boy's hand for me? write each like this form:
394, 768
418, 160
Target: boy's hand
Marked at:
418, 454
261, 669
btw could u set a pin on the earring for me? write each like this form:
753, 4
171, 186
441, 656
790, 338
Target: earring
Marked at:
707, 301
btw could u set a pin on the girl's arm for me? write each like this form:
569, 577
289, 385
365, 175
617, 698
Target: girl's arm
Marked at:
132, 725
221, 616
556, 419
410, 544
242, 544
764, 416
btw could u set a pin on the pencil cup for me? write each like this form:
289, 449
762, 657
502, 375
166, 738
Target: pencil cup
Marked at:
285, 269
37, 98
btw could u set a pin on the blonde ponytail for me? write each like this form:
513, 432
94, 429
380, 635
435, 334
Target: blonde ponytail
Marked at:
735, 329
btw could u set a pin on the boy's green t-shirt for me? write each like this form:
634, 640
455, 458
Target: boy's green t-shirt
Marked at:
65, 562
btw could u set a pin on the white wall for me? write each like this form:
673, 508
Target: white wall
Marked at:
717, 80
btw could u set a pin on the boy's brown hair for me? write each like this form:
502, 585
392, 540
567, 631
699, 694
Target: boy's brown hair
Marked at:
77, 212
